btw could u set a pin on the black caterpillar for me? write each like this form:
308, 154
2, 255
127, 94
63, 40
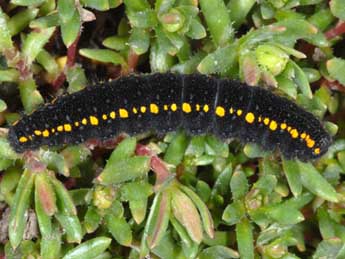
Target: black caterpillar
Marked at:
165, 102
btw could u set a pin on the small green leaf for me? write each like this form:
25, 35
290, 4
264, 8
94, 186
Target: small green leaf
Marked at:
89, 249
116, 42
125, 170
20, 20
51, 20
6, 150
218, 252
234, 213
139, 41
203, 210
335, 67
238, 184
66, 10
92, 219
119, 229
76, 79
71, 29
330, 249
219, 61
29, 94
65, 202
100, 5
245, 241
157, 222
28, 2
291, 170
34, 43
3, 105
136, 194
21, 202
72, 227
186, 213
48, 62
144, 19
219, 25
51, 244
9, 75
196, 30
45, 194
176, 149
103, 55
239, 9
301, 80
9, 180
338, 8
315, 183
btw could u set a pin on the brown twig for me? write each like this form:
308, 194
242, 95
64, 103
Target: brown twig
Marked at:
333, 85
336, 31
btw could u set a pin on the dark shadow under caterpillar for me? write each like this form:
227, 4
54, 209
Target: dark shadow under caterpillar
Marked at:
165, 102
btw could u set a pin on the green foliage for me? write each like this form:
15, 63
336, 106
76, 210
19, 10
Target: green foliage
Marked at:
181, 196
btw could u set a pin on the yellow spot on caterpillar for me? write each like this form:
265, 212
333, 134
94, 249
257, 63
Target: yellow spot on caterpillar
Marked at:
173, 107
289, 129
84, 121
206, 108
23, 139
186, 108
260, 119
310, 143
239, 112
53, 130
165, 107
104, 117
250, 117
317, 151
112, 115
59, 128
283, 126
45, 133
67, 127
273, 125
76, 124
266, 121
231, 110
38, 132
303, 135
220, 111
123, 113
143, 109
135, 111
93, 120
197, 107
154, 108
294, 133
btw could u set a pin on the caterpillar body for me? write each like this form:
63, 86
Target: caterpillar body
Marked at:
165, 102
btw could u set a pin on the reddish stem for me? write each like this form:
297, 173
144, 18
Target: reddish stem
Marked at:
133, 59
71, 52
333, 85
59, 81
71, 56
336, 31
158, 166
